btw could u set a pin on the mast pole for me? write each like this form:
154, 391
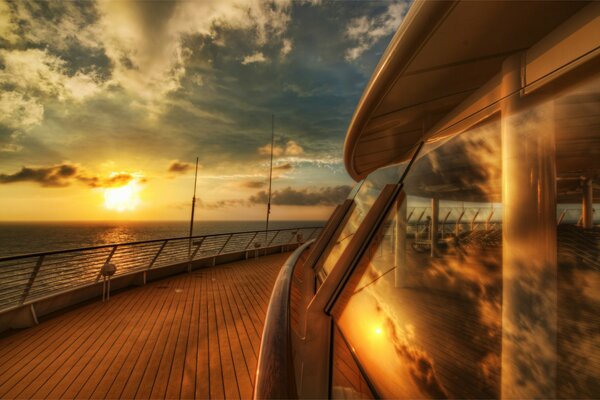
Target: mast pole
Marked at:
192, 218
270, 175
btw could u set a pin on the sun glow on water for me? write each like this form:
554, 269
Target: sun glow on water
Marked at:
122, 198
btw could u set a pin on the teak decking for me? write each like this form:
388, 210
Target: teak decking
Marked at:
191, 335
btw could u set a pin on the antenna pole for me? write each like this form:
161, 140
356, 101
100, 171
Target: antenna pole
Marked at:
270, 175
192, 218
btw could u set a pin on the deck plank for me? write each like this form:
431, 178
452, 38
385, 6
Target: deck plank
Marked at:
202, 390
113, 380
240, 324
34, 370
105, 366
127, 386
217, 387
82, 367
188, 336
177, 368
160, 379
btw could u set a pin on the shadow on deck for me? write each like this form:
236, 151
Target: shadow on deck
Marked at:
189, 336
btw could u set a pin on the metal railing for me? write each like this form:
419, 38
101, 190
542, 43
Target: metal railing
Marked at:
31, 277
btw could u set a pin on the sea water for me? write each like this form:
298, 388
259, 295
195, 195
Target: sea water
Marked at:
33, 237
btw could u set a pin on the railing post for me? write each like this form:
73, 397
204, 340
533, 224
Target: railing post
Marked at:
444, 222
158, 253
225, 244
192, 255
457, 225
292, 236
112, 252
249, 243
154, 259
32, 277
417, 233
273, 238
562, 216
473, 226
489, 218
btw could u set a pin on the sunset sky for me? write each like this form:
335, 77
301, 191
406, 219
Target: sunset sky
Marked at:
96, 97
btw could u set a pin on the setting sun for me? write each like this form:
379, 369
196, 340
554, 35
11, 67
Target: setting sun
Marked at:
123, 198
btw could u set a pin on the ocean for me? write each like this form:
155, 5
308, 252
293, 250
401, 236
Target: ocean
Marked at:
32, 237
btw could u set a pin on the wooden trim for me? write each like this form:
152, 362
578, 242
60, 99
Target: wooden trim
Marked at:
275, 378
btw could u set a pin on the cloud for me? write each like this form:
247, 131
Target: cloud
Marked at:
292, 148
116, 179
54, 176
54, 24
8, 29
324, 196
283, 167
37, 73
365, 32
286, 47
253, 184
30, 77
64, 174
146, 40
266, 150
180, 167
257, 57
18, 114
215, 205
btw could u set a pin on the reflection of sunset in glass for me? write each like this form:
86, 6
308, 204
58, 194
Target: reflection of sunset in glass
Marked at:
378, 331
123, 198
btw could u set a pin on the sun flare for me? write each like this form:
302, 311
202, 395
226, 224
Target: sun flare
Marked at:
122, 198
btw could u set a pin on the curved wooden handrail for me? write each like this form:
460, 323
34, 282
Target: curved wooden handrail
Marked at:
275, 370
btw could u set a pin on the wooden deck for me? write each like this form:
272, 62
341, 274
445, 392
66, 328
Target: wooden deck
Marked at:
189, 336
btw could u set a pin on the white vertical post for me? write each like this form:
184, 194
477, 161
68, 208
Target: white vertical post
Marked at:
587, 204
529, 258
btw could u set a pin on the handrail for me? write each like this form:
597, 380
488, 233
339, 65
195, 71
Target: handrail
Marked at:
102, 246
275, 377
26, 278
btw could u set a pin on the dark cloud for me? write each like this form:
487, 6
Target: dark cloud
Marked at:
325, 196
116, 180
54, 176
221, 204
253, 184
65, 174
180, 167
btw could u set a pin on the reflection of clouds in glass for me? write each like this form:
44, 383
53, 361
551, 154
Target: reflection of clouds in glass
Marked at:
466, 167
388, 349
363, 201
419, 364
579, 307
454, 301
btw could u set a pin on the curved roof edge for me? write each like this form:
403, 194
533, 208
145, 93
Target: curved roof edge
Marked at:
413, 31
444, 53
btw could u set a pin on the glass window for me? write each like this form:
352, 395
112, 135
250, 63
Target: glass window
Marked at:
484, 278
366, 194
349, 380
421, 309
577, 136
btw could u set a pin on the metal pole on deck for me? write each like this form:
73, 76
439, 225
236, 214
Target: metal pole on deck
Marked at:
270, 179
192, 219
